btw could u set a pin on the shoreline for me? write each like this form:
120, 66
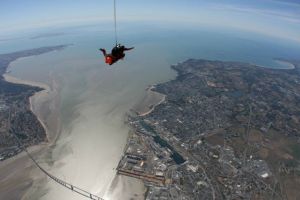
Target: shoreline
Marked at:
288, 64
20, 178
41, 100
148, 112
148, 103
43, 93
137, 187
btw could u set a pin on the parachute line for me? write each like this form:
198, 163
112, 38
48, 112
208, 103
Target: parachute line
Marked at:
115, 20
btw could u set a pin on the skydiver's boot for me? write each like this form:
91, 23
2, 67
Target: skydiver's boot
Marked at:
103, 51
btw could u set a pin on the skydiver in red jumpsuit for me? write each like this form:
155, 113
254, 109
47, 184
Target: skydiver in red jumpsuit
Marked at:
116, 54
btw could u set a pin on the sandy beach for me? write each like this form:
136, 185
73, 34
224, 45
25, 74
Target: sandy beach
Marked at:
44, 104
149, 102
17, 172
287, 64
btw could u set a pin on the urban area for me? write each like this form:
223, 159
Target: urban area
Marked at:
226, 130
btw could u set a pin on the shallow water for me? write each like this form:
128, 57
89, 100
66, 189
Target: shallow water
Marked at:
95, 97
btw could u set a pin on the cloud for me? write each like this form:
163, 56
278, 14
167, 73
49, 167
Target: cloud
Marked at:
291, 2
284, 15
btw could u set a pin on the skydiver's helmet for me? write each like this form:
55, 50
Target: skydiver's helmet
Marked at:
118, 45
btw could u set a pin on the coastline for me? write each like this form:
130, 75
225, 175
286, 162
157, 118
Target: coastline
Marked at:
19, 169
7, 77
128, 188
38, 95
149, 102
152, 108
288, 64
134, 187
37, 103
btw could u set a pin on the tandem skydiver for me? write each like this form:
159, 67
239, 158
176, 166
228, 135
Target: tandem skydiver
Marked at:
116, 54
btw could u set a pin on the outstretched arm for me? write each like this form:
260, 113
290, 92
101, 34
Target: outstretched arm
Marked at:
127, 49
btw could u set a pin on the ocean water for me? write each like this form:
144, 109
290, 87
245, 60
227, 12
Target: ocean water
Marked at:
95, 98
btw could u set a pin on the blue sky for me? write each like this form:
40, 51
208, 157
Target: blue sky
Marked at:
280, 18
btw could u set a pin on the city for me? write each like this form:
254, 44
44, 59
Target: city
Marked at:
216, 134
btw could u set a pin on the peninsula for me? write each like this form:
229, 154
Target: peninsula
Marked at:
225, 130
15, 114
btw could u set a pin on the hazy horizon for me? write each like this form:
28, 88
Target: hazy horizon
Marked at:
269, 17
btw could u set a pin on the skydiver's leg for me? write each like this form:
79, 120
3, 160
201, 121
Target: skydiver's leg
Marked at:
103, 51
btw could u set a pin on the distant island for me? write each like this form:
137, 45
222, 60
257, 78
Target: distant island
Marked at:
47, 35
15, 114
224, 130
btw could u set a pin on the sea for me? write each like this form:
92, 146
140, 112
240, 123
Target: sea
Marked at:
95, 98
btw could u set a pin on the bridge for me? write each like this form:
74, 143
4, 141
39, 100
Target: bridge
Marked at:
65, 184
57, 180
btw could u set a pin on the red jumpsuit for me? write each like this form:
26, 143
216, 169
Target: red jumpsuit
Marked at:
116, 54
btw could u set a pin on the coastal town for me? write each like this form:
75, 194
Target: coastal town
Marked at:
225, 130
